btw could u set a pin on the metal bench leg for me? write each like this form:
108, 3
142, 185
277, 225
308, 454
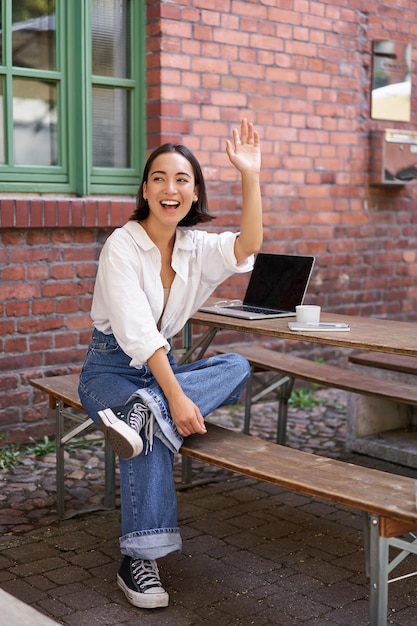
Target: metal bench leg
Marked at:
62, 437
282, 387
284, 393
109, 499
186, 470
378, 572
248, 404
60, 469
366, 542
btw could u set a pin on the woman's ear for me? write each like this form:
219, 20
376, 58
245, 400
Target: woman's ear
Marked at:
144, 191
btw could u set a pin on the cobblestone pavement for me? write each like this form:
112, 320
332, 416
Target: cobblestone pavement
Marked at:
252, 554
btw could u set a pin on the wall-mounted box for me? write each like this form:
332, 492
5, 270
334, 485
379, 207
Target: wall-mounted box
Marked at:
393, 157
391, 81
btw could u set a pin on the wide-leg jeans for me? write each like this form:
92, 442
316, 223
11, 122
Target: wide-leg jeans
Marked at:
147, 489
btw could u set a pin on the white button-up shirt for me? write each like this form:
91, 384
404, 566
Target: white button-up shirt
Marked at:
128, 296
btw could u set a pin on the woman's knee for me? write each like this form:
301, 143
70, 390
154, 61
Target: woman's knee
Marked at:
238, 364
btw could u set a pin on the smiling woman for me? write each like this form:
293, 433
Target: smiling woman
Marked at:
192, 174
169, 191
153, 274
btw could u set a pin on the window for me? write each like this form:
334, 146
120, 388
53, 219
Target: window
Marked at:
71, 95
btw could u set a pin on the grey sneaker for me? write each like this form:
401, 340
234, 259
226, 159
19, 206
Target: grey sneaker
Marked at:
139, 580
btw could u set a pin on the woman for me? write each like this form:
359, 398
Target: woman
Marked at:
153, 274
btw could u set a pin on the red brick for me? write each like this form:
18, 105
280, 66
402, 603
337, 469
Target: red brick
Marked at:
17, 308
50, 213
77, 211
20, 291
38, 237
14, 398
58, 288
38, 325
86, 269
8, 382
36, 213
170, 12
66, 340
22, 214
43, 307
13, 273
64, 357
90, 213
67, 305
38, 272
62, 272
41, 343
78, 322
7, 213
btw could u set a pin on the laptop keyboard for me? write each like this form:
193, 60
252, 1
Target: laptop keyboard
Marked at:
256, 309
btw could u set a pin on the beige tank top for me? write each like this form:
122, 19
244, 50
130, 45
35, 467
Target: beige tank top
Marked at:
166, 296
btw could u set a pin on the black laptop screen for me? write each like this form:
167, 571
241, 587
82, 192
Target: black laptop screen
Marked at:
278, 281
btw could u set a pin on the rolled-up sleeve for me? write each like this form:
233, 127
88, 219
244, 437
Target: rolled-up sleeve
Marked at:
226, 244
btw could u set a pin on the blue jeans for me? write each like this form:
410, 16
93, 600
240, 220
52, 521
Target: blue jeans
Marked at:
147, 489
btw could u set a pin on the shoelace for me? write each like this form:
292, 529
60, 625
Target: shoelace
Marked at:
146, 574
140, 418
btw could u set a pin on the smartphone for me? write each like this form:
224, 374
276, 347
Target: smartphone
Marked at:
314, 326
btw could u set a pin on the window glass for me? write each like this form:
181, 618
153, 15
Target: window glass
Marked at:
33, 34
71, 95
34, 122
110, 43
110, 137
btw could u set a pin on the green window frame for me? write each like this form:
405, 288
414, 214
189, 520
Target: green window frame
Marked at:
71, 142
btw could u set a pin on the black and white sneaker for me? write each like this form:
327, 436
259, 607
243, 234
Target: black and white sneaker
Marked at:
139, 580
124, 439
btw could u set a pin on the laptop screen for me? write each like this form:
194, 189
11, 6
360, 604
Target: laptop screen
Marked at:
278, 281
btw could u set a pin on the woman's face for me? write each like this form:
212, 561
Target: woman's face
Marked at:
170, 189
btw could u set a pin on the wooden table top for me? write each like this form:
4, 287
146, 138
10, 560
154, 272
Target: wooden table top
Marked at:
366, 333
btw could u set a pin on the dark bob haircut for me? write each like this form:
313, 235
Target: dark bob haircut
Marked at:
198, 212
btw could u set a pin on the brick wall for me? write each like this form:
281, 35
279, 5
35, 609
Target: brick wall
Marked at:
48, 261
301, 71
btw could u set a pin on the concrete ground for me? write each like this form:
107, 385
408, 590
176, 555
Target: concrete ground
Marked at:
252, 553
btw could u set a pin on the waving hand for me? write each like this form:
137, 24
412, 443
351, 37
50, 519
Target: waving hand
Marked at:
244, 150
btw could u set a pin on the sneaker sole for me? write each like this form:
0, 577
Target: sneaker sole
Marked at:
125, 441
143, 600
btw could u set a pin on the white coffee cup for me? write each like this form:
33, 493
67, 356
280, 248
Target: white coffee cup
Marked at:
308, 313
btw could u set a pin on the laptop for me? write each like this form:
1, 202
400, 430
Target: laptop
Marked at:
278, 283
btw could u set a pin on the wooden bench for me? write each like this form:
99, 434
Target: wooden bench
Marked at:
392, 362
288, 368
384, 429
387, 501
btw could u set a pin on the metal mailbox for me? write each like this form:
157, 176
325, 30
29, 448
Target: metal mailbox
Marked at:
393, 157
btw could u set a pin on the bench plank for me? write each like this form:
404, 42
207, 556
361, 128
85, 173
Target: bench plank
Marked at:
324, 374
396, 362
64, 388
360, 488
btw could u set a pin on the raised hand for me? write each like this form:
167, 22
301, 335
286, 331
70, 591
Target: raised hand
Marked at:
244, 150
